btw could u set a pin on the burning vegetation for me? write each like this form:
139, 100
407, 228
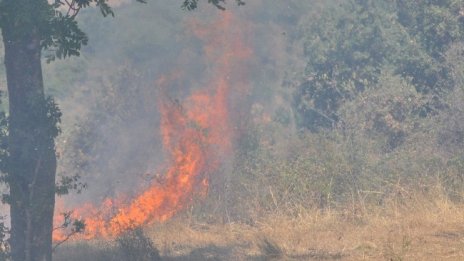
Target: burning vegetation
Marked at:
197, 135
290, 130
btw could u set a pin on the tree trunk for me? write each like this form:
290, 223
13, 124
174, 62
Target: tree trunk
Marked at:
32, 159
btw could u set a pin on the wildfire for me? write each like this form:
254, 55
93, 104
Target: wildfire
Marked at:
196, 134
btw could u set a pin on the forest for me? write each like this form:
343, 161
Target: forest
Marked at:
233, 130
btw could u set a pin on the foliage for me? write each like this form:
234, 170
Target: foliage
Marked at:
62, 36
387, 114
72, 226
435, 24
133, 245
4, 245
350, 44
346, 48
193, 4
68, 183
380, 149
28, 29
382, 98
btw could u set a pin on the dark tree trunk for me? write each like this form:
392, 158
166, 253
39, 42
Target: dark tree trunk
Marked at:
32, 161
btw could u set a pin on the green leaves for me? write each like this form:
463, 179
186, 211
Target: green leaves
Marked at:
105, 9
68, 183
75, 6
435, 23
193, 4
350, 44
4, 240
63, 37
190, 5
345, 48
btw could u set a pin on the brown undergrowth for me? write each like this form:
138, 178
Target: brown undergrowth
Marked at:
420, 228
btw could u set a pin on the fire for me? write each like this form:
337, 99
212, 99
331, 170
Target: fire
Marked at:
197, 134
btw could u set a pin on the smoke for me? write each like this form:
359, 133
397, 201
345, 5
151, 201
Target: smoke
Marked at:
175, 104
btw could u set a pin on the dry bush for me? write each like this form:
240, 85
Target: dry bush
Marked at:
423, 227
417, 227
383, 150
133, 245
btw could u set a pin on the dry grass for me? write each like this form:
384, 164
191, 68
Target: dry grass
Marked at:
417, 229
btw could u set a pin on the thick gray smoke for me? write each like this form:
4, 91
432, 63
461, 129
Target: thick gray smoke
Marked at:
109, 95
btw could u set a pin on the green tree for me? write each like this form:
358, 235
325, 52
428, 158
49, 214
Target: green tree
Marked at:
31, 30
346, 48
433, 26
351, 43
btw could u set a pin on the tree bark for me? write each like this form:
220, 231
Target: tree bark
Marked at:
32, 160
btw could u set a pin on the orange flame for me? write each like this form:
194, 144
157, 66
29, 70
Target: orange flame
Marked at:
196, 135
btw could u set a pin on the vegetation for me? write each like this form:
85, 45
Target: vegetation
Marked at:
357, 153
30, 30
352, 146
352, 44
